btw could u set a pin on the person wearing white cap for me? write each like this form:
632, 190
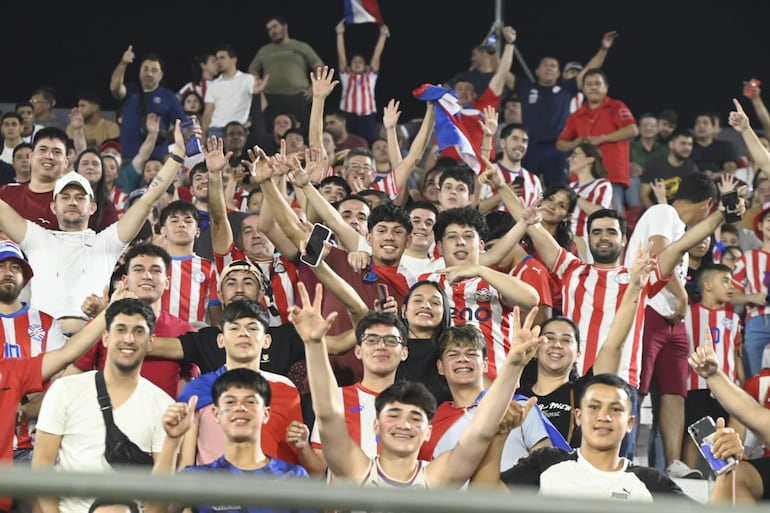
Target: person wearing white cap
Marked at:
26, 333
74, 261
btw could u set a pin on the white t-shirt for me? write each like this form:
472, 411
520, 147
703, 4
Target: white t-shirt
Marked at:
69, 266
71, 410
662, 220
231, 98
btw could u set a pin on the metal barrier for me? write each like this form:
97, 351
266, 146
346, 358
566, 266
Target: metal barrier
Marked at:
311, 495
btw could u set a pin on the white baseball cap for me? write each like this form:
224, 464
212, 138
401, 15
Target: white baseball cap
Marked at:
73, 178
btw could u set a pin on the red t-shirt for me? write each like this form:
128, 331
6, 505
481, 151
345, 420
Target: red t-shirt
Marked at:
609, 116
35, 206
163, 373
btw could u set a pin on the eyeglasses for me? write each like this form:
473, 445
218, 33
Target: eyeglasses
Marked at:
372, 339
37, 100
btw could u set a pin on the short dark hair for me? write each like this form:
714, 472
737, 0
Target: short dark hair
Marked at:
180, 207
278, 18
147, 249
374, 318
407, 392
23, 104
463, 216
697, 187
389, 212
200, 167
90, 97
132, 506
383, 197
680, 132
510, 127
708, 269
612, 380
425, 205
50, 132
337, 113
608, 212
669, 115
465, 334
356, 197
644, 115
47, 92
241, 378
19, 147
130, 306
595, 71
461, 173
560, 318
359, 151
295, 131
245, 309
713, 118
9, 115
226, 48
499, 222
730, 228
336, 180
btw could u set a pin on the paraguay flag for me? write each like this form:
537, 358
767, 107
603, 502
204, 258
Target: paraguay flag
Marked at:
362, 11
450, 132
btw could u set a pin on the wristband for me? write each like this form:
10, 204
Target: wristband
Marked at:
510, 42
176, 158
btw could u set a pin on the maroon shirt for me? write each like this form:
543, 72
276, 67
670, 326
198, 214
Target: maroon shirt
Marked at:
34, 206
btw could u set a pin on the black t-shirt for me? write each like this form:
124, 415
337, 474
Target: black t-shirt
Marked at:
420, 366
570, 474
713, 156
558, 406
200, 347
659, 167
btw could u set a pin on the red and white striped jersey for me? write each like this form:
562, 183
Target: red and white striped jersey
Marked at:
591, 297
282, 274
532, 272
119, 199
358, 92
193, 287
533, 189
752, 275
359, 417
758, 387
387, 184
598, 192
474, 300
27, 333
725, 327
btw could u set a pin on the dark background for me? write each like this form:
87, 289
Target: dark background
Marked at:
683, 54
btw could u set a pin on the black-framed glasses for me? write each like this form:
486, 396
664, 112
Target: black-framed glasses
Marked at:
372, 339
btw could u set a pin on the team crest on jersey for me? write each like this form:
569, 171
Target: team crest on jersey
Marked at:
265, 358
727, 323
198, 277
36, 332
623, 278
483, 295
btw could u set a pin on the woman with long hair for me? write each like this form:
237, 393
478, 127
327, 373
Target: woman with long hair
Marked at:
426, 314
111, 169
590, 183
90, 165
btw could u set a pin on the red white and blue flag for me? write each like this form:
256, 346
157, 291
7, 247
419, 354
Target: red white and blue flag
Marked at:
362, 11
450, 131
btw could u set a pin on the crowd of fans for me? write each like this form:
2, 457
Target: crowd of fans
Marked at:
561, 251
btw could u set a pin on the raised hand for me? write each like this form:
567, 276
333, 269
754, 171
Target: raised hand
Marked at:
457, 273
359, 260
178, 418
642, 266
216, 160
704, 360
94, 304
307, 319
532, 215
384, 30
491, 175
322, 83
526, 338
509, 34
390, 114
609, 39
121, 292
128, 56
76, 118
489, 125
658, 187
340, 27
258, 165
738, 118
260, 83
727, 183
515, 415
280, 162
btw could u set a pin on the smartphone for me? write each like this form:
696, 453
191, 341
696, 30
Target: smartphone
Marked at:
315, 245
192, 145
702, 433
750, 89
730, 201
382, 290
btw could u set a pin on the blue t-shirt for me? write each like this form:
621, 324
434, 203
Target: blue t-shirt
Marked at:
275, 469
545, 109
162, 102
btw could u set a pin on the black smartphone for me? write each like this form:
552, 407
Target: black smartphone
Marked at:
192, 145
315, 245
730, 202
383, 292
702, 433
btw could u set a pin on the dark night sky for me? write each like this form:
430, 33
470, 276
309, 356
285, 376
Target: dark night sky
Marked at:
685, 54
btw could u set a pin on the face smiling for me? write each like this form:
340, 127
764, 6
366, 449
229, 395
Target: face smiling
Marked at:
402, 428
560, 351
463, 365
424, 311
241, 412
604, 416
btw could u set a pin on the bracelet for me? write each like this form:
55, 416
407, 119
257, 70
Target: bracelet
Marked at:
176, 158
510, 42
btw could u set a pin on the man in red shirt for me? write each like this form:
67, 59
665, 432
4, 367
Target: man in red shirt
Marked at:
605, 123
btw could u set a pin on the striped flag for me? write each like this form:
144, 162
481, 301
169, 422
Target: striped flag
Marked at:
362, 11
450, 132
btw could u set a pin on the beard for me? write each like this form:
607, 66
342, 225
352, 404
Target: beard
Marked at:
608, 256
9, 294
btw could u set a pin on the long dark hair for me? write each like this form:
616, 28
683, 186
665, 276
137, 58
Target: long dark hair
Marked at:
564, 228
100, 189
597, 168
446, 319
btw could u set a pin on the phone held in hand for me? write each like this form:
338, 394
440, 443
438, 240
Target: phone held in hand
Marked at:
750, 89
730, 202
192, 145
702, 433
315, 245
382, 290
